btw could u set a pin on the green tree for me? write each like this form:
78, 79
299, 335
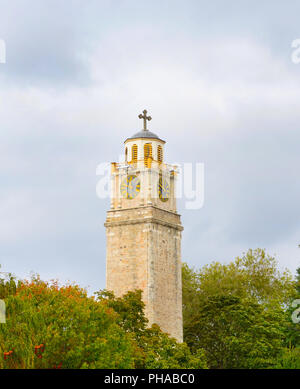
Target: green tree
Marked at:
235, 333
73, 329
255, 274
153, 348
52, 326
293, 317
289, 359
237, 312
163, 352
130, 309
298, 281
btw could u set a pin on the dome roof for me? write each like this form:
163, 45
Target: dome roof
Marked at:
144, 134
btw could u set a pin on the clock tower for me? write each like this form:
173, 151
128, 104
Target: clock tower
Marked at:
143, 230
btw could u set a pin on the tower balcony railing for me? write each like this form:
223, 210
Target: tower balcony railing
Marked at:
143, 165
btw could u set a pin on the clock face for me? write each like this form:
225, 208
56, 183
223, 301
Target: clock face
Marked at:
130, 187
163, 189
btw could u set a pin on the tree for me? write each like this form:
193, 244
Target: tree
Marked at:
52, 326
255, 274
292, 339
49, 326
235, 333
130, 309
298, 280
289, 359
153, 348
237, 312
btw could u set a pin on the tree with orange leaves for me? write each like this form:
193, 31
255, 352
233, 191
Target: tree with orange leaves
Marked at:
52, 326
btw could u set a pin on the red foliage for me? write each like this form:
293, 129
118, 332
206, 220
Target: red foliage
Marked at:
38, 350
8, 354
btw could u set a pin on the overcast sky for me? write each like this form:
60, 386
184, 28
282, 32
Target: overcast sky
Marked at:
216, 77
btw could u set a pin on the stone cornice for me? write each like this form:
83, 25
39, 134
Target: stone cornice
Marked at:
143, 207
144, 220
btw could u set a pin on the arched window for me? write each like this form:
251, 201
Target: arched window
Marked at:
159, 154
126, 154
134, 153
148, 154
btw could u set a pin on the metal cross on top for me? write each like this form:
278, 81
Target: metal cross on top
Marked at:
145, 117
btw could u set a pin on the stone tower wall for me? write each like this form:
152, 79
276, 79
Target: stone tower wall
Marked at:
143, 252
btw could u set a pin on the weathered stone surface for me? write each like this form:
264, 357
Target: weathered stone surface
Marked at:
144, 236
143, 252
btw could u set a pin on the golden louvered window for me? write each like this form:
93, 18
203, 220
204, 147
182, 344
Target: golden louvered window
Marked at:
134, 153
159, 154
126, 154
148, 154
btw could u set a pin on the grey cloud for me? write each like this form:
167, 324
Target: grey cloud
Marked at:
217, 80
